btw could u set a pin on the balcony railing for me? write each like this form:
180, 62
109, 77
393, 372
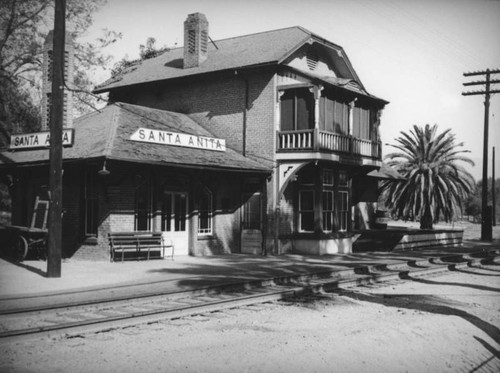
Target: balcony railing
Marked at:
316, 140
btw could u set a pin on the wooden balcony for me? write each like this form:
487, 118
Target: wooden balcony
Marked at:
315, 140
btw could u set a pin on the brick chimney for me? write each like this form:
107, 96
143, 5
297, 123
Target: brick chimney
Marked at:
195, 40
69, 55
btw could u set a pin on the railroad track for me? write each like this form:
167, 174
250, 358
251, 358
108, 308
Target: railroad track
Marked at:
75, 318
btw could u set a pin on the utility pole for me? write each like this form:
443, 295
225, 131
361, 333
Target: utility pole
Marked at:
493, 198
55, 153
486, 229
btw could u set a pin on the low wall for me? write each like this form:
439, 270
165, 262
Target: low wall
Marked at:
406, 239
424, 240
319, 246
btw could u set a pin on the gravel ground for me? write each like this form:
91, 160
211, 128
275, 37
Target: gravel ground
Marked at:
447, 323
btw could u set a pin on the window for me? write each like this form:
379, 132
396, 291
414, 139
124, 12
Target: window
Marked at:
307, 176
334, 115
328, 177
328, 210
143, 208
323, 195
327, 200
343, 210
205, 213
361, 123
297, 110
306, 211
91, 203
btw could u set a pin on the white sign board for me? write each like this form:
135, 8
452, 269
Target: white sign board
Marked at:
178, 139
39, 139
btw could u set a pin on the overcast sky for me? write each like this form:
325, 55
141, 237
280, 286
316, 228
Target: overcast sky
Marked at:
410, 52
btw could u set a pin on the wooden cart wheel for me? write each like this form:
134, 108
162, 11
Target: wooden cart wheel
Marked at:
20, 248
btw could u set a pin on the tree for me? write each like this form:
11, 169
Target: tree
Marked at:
473, 203
436, 183
147, 51
24, 25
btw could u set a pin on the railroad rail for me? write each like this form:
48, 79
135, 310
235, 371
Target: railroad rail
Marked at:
75, 318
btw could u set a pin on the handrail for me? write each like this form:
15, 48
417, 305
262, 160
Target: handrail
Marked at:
316, 140
295, 140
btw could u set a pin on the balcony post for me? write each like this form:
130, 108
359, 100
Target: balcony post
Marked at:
350, 107
315, 144
316, 91
277, 112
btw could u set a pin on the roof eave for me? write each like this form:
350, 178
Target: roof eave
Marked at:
191, 166
46, 162
319, 80
191, 76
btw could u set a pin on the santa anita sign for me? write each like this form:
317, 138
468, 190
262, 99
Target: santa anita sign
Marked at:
39, 140
178, 139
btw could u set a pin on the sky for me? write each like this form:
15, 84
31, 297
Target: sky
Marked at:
412, 53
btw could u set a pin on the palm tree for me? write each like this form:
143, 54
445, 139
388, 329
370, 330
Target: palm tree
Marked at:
436, 184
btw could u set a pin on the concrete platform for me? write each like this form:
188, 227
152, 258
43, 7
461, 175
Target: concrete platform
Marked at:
29, 278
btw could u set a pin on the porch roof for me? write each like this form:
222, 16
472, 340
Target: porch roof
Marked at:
106, 134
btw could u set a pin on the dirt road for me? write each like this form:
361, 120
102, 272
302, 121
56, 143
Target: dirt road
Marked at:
449, 323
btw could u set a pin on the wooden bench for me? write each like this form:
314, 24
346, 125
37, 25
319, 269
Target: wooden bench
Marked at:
139, 245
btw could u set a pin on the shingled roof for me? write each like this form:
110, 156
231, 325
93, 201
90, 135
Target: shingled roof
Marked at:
106, 134
265, 48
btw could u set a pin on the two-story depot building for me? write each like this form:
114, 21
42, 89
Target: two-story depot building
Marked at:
259, 143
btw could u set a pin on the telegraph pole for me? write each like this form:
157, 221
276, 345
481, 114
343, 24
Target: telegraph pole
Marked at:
486, 229
55, 153
493, 198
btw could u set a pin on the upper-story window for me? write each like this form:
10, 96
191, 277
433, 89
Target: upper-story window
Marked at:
297, 110
333, 114
362, 122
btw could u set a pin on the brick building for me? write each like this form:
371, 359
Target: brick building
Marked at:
260, 143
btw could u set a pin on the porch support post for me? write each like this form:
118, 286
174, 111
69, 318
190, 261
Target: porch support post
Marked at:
318, 191
277, 119
376, 136
316, 91
276, 210
278, 111
351, 124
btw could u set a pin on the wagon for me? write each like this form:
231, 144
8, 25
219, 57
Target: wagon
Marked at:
33, 239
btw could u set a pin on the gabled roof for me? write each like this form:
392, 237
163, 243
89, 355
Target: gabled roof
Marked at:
106, 134
265, 48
